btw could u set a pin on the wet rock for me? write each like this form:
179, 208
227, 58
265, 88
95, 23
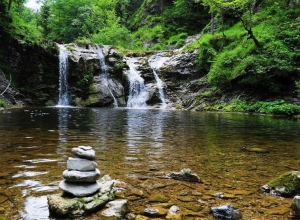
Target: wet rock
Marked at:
71, 207
159, 198
116, 208
75, 176
185, 175
255, 149
180, 65
141, 217
155, 212
174, 213
296, 205
130, 216
84, 152
288, 184
79, 189
81, 164
226, 212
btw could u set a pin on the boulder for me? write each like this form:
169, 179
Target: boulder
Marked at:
71, 207
81, 164
85, 152
296, 205
79, 189
287, 184
75, 176
184, 175
180, 65
226, 212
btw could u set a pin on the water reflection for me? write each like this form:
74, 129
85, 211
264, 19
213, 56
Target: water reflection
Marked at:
135, 143
63, 119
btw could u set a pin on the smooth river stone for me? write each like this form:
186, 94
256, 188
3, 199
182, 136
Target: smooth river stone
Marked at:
81, 164
85, 152
75, 176
79, 189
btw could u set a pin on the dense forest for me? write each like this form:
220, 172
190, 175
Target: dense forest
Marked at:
253, 44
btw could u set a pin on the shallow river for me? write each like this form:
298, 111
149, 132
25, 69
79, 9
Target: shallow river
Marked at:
139, 147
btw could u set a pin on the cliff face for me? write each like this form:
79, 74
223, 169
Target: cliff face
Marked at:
33, 71
35, 77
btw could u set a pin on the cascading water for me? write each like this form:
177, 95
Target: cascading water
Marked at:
63, 97
104, 73
155, 62
137, 91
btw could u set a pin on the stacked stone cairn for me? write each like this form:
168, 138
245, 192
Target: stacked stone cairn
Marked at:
82, 193
80, 179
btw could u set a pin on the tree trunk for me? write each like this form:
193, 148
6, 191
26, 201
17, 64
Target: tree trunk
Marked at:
10, 5
212, 27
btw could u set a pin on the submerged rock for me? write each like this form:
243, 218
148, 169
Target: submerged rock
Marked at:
288, 184
255, 149
185, 175
226, 212
155, 212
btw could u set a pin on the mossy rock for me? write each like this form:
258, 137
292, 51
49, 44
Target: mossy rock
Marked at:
159, 198
288, 184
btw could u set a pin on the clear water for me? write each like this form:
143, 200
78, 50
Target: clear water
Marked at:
140, 146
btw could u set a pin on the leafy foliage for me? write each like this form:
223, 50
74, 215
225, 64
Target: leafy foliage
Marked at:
2, 103
277, 107
231, 57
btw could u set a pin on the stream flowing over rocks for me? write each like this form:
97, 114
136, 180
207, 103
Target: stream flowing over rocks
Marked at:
170, 78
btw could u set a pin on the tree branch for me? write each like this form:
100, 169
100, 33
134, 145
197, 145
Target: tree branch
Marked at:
8, 83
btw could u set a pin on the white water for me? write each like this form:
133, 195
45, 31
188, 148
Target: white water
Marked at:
156, 62
63, 97
137, 91
104, 73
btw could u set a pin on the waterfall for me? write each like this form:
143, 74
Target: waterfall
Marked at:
137, 91
155, 62
63, 99
103, 67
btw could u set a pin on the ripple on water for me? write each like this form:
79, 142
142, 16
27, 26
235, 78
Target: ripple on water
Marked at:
29, 174
40, 161
32, 204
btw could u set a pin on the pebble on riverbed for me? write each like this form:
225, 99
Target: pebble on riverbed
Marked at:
185, 175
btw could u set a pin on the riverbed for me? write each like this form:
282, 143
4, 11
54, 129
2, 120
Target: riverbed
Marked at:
140, 147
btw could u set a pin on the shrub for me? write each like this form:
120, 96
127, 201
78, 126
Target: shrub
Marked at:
206, 94
2, 103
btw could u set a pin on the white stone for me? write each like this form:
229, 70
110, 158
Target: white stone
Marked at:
79, 189
296, 205
81, 177
81, 164
84, 152
116, 208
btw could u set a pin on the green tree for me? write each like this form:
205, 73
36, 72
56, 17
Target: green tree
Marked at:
242, 9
